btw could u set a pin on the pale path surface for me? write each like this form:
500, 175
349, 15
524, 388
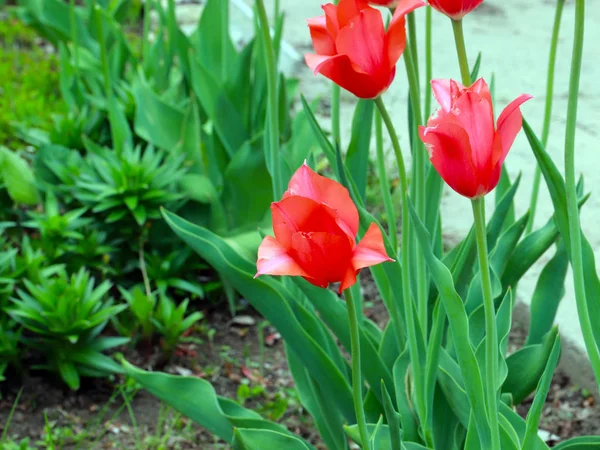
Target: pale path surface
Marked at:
514, 37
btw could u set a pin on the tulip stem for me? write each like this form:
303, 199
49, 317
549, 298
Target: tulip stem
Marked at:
405, 266
547, 113
428, 62
356, 370
272, 97
384, 184
412, 34
419, 178
571, 188
335, 115
491, 334
461, 51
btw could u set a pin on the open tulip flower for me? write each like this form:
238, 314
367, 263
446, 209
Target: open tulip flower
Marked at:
353, 48
455, 9
315, 226
464, 146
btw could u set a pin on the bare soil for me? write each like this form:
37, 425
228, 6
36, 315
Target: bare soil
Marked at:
102, 420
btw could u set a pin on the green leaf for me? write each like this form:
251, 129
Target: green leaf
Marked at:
272, 300
18, 178
198, 188
405, 405
263, 439
156, 121
459, 326
548, 293
333, 313
328, 420
353, 433
201, 404
357, 156
393, 420
248, 192
535, 412
119, 127
580, 443
68, 373
526, 366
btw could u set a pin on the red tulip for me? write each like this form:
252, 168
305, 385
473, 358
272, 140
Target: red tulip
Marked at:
315, 227
455, 9
386, 3
464, 146
354, 50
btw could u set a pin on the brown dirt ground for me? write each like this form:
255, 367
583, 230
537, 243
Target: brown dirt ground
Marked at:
231, 360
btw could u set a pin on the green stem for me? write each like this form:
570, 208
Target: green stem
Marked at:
405, 266
547, 112
335, 115
356, 370
103, 55
412, 36
428, 62
419, 179
272, 99
461, 50
491, 334
146, 30
224, 39
384, 183
73, 22
571, 186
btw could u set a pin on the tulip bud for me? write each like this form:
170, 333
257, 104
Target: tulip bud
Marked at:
464, 145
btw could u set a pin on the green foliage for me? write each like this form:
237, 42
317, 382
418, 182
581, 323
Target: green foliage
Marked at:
172, 322
29, 91
129, 189
66, 316
147, 316
58, 232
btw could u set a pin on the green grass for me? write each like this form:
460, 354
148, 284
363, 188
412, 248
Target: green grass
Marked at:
29, 82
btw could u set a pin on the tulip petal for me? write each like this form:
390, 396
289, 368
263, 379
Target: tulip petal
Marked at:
307, 183
347, 10
340, 70
442, 92
363, 41
323, 256
331, 19
370, 250
348, 280
450, 153
481, 87
273, 259
322, 40
295, 214
509, 124
475, 115
396, 32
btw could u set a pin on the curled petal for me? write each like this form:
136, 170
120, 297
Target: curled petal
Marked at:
307, 183
450, 153
370, 251
443, 93
340, 70
509, 125
273, 259
396, 32
323, 42
331, 19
